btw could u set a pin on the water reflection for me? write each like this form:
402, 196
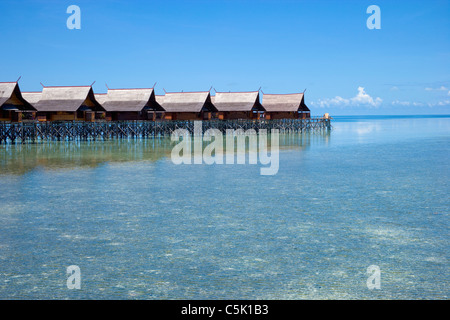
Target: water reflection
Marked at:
20, 159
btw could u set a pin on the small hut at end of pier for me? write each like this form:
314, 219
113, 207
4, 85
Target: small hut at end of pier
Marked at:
68, 103
187, 105
286, 106
131, 104
13, 107
238, 105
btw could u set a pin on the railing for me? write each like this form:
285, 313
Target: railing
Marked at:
25, 132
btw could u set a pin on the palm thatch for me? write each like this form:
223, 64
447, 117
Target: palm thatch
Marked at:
237, 101
187, 102
160, 99
284, 102
11, 97
100, 97
130, 100
67, 99
32, 97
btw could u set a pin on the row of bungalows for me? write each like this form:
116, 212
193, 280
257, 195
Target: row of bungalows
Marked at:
232, 106
79, 103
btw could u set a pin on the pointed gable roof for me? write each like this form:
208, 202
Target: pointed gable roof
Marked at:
160, 99
32, 97
186, 101
10, 95
67, 99
129, 99
284, 102
237, 101
100, 97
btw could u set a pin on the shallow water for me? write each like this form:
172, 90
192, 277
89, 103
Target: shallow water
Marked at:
374, 191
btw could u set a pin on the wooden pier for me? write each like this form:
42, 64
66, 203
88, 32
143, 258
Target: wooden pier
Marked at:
31, 132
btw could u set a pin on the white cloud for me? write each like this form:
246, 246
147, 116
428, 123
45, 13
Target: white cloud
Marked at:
407, 103
400, 103
441, 88
361, 99
442, 103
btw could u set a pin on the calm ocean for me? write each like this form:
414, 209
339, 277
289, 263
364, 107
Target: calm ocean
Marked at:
374, 191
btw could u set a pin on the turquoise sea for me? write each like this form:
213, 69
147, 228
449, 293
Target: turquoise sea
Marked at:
373, 191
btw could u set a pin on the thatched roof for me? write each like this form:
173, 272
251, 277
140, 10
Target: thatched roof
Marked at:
133, 100
160, 99
186, 101
32, 97
237, 101
11, 96
100, 97
67, 99
6, 91
284, 102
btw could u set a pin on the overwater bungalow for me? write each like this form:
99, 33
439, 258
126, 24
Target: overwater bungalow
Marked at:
68, 103
238, 105
285, 106
131, 104
187, 105
13, 107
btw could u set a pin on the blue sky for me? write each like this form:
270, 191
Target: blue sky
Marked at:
239, 45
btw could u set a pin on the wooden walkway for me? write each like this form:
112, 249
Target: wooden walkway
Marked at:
30, 132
